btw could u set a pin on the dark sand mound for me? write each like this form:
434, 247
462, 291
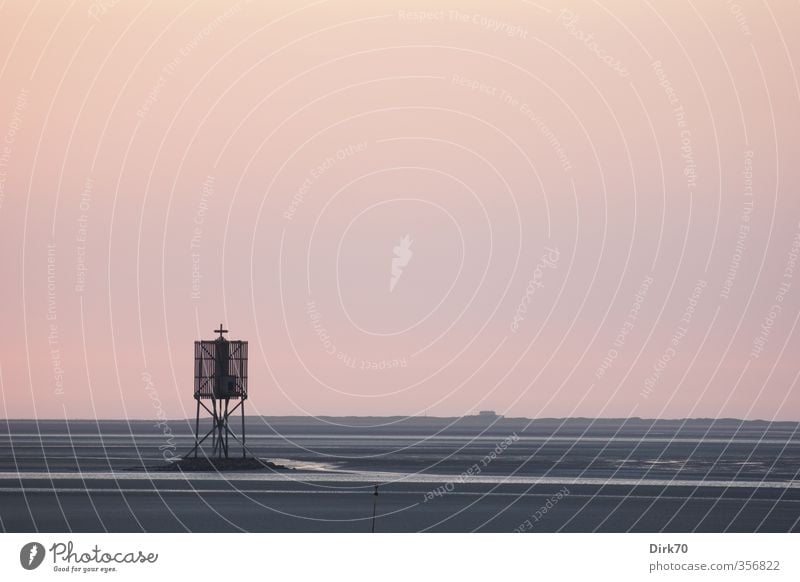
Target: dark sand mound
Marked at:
208, 464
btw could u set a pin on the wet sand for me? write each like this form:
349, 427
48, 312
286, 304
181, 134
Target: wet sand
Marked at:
86, 480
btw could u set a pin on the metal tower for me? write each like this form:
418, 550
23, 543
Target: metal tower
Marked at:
220, 375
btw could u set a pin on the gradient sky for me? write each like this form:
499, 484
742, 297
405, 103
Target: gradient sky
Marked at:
602, 200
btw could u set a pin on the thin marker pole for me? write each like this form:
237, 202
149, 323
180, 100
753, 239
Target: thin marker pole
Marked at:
374, 507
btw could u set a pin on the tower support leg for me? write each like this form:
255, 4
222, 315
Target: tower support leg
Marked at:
214, 439
225, 427
197, 429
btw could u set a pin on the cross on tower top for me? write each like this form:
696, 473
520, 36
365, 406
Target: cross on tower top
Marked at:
221, 331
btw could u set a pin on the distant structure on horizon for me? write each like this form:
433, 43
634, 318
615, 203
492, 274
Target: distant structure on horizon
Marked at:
220, 375
489, 414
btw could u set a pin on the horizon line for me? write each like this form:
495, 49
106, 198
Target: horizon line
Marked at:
416, 417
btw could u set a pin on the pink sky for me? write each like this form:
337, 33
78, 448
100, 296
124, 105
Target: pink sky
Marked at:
601, 200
